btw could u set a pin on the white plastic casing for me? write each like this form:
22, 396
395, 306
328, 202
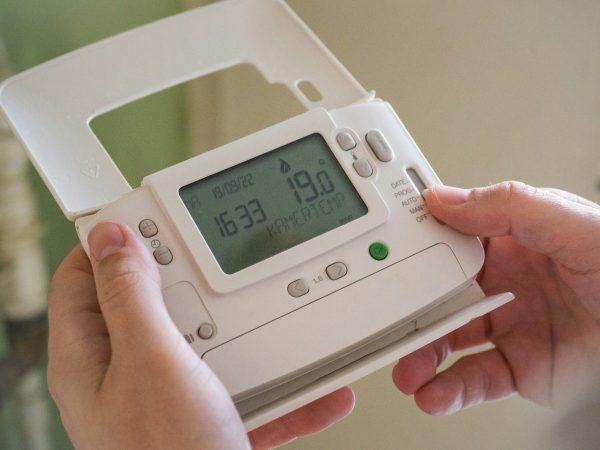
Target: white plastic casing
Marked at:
273, 352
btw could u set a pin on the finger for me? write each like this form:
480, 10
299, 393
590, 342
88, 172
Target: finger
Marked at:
535, 218
129, 292
469, 382
78, 341
309, 419
72, 297
420, 367
572, 197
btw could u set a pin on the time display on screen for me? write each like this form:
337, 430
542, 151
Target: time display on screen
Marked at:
271, 203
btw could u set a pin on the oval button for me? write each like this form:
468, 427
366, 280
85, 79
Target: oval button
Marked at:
380, 146
298, 288
336, 270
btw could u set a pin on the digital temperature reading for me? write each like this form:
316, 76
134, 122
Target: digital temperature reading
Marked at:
271, 203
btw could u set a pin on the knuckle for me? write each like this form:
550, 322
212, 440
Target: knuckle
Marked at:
120, 286
519, 190
508, 191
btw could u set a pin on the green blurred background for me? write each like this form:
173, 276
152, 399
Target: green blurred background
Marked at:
142, 138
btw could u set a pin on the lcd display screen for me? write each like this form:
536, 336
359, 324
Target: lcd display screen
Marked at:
271, 203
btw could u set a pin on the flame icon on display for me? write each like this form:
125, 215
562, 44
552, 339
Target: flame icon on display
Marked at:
285, 167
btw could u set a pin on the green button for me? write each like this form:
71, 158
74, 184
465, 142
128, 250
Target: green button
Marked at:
378, 251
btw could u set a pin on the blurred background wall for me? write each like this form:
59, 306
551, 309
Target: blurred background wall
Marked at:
490, 90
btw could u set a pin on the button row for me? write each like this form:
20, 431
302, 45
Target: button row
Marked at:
300, 287
378, 144
378, 251
162, 254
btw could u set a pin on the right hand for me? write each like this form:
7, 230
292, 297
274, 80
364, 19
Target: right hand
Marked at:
544, 246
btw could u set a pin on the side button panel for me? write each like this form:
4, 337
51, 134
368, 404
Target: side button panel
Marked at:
188, 312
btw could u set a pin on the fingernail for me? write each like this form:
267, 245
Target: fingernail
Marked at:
449, 195
454, 407
105, 239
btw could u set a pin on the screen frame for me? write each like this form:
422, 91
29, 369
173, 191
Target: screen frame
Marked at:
224, 247
167, 183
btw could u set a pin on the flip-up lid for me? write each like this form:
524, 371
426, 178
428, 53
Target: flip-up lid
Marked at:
50, 106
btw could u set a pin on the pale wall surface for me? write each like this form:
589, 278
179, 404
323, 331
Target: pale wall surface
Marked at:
490, 90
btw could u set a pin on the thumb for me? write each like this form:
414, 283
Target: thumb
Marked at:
537, 219
129, 290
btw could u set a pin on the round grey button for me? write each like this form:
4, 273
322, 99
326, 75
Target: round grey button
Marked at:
345, 141
148, 228
298, 288
363, 167
336, 270
206, 331
163, 255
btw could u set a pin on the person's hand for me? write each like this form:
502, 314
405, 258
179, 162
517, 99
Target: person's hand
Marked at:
124, 377
544, 246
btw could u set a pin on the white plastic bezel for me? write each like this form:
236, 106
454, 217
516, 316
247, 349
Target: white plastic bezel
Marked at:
51, 106
167, 183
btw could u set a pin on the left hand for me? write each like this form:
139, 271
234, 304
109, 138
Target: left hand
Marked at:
124, 377
309, 419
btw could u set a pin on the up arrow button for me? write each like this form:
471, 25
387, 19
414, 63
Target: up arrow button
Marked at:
345, 141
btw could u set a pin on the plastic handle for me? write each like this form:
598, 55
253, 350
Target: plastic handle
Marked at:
50, 107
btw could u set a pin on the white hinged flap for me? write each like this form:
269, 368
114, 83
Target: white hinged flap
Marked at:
50, 107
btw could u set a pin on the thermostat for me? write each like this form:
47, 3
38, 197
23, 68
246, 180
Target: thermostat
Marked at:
294, 260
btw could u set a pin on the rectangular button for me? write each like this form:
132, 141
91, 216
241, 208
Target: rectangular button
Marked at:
416, 179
